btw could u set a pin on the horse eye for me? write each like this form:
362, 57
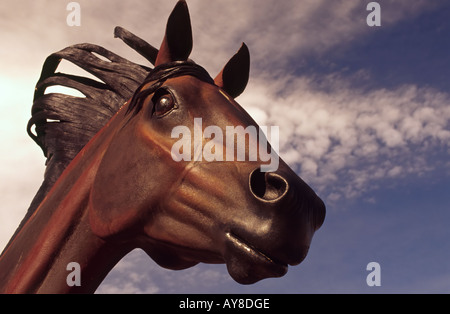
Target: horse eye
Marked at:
163, 105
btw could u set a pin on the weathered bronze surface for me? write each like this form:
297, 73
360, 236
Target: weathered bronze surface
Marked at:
111, 184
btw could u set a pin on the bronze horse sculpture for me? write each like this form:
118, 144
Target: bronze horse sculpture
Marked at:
111, 184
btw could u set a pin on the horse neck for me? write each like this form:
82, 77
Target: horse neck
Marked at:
59, 233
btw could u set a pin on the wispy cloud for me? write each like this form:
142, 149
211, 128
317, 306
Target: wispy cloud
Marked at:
282, 33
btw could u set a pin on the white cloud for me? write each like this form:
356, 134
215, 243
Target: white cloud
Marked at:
279, 33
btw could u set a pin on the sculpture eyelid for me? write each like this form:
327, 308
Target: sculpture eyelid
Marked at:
159, 93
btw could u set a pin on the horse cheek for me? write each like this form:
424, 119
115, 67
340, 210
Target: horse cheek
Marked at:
121, 196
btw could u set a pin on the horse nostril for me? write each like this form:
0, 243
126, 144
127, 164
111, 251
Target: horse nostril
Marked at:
267, 186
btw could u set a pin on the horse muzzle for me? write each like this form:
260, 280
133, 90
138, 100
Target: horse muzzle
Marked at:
288, 212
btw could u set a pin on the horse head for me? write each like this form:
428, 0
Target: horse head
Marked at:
182, 212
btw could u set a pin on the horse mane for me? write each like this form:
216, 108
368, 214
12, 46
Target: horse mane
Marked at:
64, 123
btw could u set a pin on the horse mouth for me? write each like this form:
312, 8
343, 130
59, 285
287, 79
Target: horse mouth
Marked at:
247, 265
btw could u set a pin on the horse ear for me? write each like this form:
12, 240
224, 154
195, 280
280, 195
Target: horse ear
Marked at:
177, 42
234, 76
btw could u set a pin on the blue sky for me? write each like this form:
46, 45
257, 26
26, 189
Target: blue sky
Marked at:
411, 51
364, 116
